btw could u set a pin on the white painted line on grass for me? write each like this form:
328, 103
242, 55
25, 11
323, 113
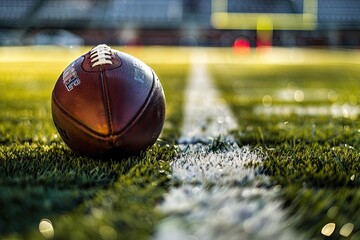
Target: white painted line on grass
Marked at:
214, 195
205, 116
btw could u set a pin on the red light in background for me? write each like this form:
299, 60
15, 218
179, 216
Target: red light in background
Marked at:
241, 46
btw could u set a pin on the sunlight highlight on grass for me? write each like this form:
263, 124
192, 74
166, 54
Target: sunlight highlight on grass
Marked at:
42, 178
310, 131
47, 62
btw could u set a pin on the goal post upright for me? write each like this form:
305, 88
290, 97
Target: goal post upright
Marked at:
222, 19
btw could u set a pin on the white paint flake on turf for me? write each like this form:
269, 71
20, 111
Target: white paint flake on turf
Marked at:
214, 195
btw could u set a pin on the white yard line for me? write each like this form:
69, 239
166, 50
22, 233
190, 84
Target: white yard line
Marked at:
205, 114
217, 197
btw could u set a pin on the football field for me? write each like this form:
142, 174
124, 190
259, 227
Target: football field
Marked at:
258, 146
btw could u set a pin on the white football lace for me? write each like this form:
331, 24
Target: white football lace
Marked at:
100, 54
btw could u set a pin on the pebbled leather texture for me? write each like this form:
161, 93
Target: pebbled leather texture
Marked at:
115, 108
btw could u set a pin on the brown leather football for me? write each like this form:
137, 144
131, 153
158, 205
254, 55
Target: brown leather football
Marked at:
107, 103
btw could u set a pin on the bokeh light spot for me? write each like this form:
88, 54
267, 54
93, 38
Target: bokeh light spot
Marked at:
241, 46
267, 101
299, 96
46, 228
328, 229
352, 178
347, 229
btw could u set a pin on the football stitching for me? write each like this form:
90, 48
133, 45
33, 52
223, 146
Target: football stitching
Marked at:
100, 55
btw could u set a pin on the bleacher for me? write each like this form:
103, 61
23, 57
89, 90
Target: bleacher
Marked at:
339, 14
87, 13
53, 13
12, 12
159, 15
144, 12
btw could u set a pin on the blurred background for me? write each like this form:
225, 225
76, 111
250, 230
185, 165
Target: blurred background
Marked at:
221, 23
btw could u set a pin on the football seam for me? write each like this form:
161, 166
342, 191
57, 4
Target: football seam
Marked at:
76, 121
115, 134
106, 99
139, 112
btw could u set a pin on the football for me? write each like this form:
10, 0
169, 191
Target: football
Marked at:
108, 103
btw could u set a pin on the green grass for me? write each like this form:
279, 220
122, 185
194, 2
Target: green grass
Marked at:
83, 197
312, 149
314, 157
173, 78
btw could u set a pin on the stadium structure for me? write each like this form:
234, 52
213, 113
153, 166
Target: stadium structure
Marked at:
334, 23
